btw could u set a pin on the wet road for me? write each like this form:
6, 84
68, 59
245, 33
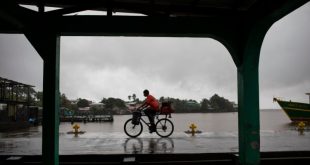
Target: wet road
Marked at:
108, 138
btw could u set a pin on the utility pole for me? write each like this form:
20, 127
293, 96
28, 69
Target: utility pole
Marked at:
309, 96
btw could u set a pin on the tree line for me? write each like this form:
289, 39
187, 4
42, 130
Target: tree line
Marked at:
215, 103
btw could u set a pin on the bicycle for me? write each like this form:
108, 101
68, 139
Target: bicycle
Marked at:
164, 126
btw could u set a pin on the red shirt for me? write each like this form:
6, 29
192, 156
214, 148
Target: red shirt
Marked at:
151, 101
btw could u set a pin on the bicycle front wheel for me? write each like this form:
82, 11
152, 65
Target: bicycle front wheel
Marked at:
164, 127
132, 130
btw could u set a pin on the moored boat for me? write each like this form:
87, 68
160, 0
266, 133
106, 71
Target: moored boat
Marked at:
296, 111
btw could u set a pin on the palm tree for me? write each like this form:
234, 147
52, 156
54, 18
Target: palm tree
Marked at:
134, 97
129, 97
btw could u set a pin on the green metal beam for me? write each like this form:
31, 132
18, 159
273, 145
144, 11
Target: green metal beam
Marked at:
47, 43
248, 49
50, 142
50, 149
248, 114
143, 26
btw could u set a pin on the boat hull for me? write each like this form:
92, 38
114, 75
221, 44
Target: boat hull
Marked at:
296, 111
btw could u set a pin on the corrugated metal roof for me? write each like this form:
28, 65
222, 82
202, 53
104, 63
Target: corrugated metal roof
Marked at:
12, 82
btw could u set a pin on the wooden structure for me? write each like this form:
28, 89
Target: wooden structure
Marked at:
240, 25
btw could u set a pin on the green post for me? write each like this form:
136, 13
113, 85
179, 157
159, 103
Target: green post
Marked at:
47, 44
245, 49
248, 95
50, 142
248, 114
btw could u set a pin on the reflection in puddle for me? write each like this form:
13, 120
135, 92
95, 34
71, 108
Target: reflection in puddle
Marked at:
150, 145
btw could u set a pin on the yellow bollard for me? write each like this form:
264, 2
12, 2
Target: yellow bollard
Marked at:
76, 128
193, 129
301, 127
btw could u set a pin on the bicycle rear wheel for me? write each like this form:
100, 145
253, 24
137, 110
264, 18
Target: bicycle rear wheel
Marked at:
132, 130
164, 127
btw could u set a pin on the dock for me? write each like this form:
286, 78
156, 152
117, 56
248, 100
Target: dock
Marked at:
96, 118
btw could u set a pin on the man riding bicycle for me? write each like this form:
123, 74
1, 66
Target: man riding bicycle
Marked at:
133, 127
151, 106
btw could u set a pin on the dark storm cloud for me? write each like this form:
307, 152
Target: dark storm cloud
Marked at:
289, 48
190, 67
188, 63
285, 57
171, 58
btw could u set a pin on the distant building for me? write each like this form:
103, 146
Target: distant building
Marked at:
2, 107
84, 108
235, 106
97, 105
73, 102
192, 102
193, 105
93, 109
132, 105
91, 105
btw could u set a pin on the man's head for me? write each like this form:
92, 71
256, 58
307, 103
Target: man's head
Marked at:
146, 92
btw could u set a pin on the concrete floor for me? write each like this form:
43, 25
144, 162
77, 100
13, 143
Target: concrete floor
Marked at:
118, 143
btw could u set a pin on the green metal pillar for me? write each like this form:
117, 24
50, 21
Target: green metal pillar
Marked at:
248, 114
47, 44
248, 95
50, 142
244, 43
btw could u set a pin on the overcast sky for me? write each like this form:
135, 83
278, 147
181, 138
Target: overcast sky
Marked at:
186, 68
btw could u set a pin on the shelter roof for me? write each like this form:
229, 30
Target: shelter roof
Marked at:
198, 16
227, 21
153, 7
171, 8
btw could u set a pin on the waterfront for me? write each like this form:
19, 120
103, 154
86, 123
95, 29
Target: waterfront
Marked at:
219, 134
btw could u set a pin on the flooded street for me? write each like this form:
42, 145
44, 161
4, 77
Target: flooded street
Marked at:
219, 134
